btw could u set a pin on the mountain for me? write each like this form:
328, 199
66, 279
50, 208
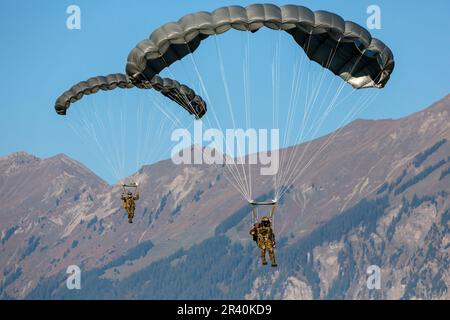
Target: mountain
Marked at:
377, 196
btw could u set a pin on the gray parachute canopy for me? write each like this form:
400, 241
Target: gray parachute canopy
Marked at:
172, 89
358, 58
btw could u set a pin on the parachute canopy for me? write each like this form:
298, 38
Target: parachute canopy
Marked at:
358, 58
172, 89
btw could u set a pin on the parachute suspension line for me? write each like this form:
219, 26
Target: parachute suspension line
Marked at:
150, 152
138, 136
123, 116
295, 88
162, 125
290, 116
306, 112
183, 96
175, 120
202, 84
278, 81
91, 134
310, 102
236, 174
324, 115
246, 80
224, 81
172, 118
168, 113
89, 128
317, 127
331, 105
271, 216
321, 120
308, 83
113, 131
254, 214
117, 131
310, 107
297, 165
349, 115
97, 121
142, 141
141, 138
86, 134
145, 121
245, 181
238, 185
276, 95
293, 101
247, 95
120, 140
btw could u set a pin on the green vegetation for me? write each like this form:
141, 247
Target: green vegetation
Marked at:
9, 233
444, 173
421, 157
74, 244
33, 243
419, 177
7, 279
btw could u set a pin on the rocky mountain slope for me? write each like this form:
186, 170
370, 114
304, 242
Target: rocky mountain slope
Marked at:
377, 196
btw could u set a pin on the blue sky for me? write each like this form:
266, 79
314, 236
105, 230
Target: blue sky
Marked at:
41, 58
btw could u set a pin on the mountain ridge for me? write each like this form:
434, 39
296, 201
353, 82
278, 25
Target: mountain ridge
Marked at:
77, 219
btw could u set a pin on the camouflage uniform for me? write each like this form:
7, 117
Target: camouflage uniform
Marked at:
265, 238
128, 203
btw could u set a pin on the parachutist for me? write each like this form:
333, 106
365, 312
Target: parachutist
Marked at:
264, 236
128, 201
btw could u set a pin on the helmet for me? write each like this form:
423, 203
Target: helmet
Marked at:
265, 221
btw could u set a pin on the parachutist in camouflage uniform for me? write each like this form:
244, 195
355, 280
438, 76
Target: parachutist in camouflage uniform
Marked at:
264, 236
128, 203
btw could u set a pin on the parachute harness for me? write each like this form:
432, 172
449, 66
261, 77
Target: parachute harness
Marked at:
255, 205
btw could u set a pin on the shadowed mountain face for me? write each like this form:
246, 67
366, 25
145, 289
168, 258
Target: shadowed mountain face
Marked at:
377, 196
